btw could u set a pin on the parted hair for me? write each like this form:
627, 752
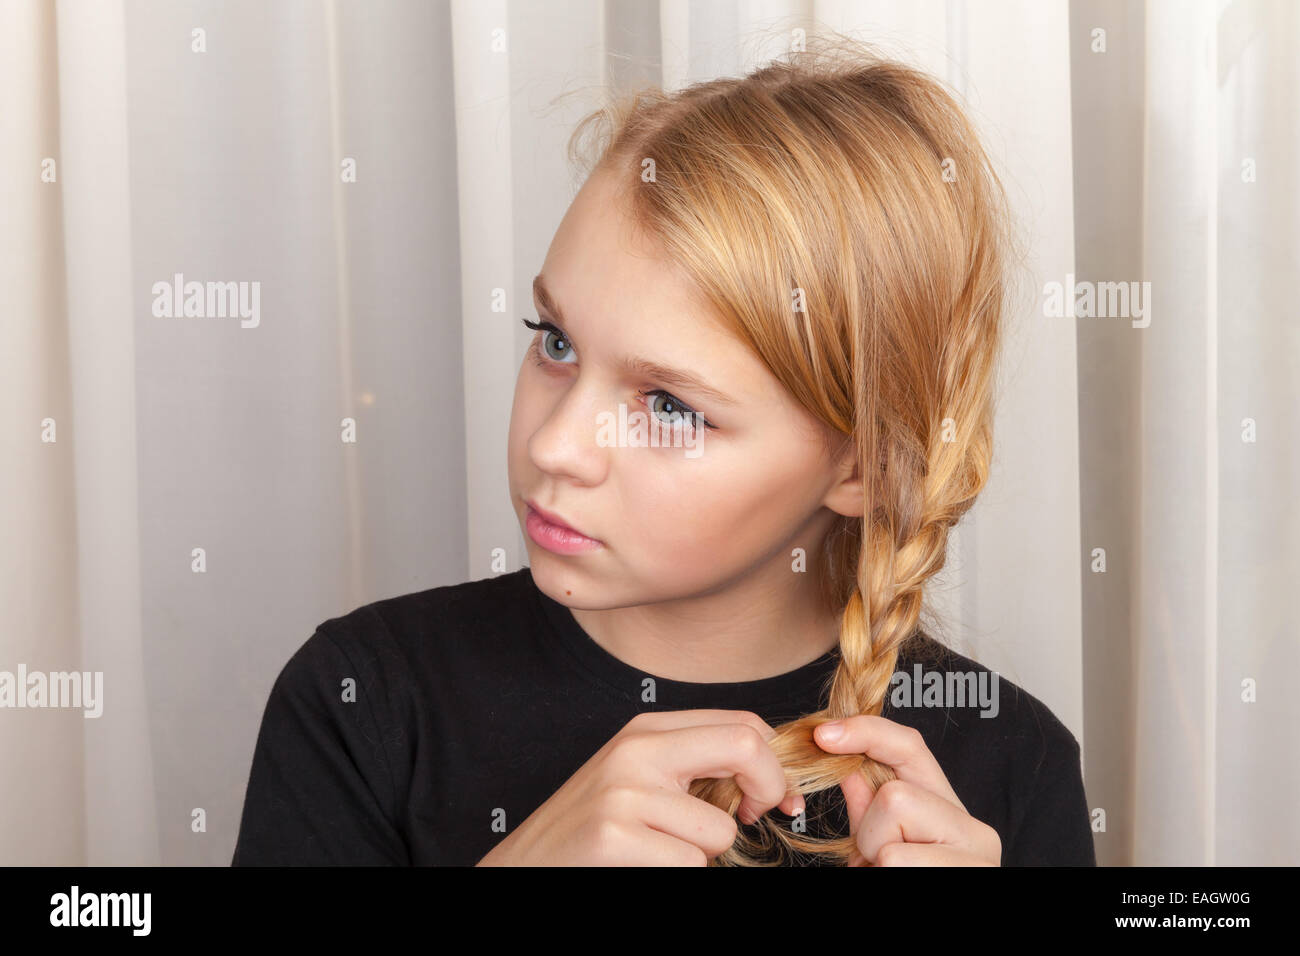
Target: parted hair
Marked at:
837, 211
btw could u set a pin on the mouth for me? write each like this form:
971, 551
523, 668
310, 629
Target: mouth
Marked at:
551, 532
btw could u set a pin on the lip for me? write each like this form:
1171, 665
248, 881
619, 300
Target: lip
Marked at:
553, 533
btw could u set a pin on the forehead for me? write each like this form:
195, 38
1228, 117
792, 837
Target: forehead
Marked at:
598, 256
621, 296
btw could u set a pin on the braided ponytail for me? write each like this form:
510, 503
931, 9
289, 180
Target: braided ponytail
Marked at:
897, 269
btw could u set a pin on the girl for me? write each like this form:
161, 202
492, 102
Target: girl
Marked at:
759, 396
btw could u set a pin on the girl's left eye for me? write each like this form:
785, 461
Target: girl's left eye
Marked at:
678, 412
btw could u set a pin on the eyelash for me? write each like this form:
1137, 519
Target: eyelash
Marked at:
542, 361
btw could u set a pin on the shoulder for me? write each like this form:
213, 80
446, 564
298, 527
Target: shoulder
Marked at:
1003, 749
392, 640
970, 699
413, 620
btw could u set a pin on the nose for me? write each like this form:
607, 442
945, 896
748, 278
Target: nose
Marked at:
565, 445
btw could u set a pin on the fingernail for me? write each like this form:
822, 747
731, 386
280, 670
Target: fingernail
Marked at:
745, 816
831, 732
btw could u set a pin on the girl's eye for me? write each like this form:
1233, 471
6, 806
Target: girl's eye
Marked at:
551, 339
674, 412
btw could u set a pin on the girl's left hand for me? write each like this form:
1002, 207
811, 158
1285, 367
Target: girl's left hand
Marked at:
915, 820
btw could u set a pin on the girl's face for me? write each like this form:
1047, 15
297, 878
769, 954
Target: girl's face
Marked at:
679, 509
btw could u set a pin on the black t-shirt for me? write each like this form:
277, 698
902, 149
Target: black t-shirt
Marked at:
470, 700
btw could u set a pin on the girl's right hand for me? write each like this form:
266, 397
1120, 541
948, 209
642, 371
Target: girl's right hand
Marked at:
629, 806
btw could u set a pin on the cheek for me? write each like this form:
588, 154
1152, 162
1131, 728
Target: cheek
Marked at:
706, 517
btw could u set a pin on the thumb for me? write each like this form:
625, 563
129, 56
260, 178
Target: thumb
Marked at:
857, 797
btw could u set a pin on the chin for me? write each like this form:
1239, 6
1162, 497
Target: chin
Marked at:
556, 577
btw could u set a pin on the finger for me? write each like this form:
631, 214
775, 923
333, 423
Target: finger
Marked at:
899, 746
926, 854
634, 845
674, 719
721, 751
857, 796
686, 818
903, 812
792, 803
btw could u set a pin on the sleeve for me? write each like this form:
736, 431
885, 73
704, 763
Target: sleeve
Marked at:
1056, 829
320, 789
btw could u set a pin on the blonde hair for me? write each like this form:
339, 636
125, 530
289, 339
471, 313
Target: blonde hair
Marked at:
854, 186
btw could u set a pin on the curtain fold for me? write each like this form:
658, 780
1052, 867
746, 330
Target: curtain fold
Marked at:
41, 812
1258, 347
120, 811
1219, 542
1177, 572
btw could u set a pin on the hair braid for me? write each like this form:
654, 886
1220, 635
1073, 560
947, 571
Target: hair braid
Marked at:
892, 576
862, 177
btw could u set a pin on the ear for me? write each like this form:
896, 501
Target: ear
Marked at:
845, 496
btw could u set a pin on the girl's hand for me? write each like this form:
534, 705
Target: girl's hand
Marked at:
629, 804
915, 820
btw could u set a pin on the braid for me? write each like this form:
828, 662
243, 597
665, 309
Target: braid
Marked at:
872, 634
854, 186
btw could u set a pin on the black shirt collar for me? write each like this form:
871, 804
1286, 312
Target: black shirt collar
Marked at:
800, 689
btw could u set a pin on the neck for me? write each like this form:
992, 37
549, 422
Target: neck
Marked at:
769, 623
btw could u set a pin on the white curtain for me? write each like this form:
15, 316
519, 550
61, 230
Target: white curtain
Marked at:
388, 171
1216, 768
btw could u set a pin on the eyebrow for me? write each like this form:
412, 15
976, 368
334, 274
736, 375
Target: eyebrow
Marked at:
635, 365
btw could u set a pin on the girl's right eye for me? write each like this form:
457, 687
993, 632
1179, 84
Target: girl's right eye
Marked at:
551, 339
